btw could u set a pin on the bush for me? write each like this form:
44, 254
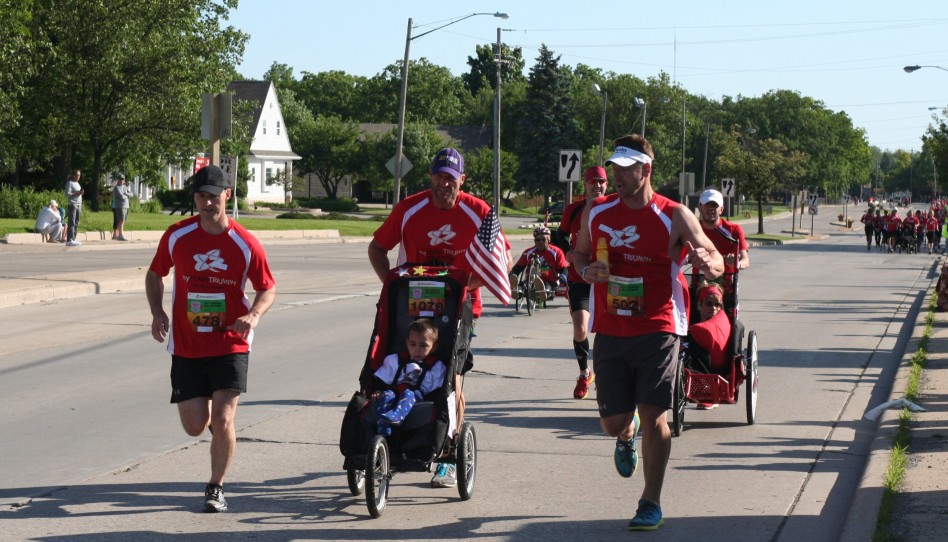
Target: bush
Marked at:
342, 205
26, 202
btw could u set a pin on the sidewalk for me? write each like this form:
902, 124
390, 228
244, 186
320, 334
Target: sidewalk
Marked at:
920, 508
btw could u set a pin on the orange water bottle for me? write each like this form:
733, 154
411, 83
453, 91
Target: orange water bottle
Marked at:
602, 254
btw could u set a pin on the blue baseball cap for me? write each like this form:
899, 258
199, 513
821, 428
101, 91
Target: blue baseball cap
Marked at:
448, 161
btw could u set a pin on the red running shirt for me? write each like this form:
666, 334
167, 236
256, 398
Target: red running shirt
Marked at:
645, 293
428, 235
211, 273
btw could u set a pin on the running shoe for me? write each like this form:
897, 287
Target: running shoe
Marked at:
582, 386
445, 476
73, 243
647, 518
706, 406
625, 457
214, 499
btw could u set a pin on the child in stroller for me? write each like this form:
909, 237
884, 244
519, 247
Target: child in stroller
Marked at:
408, 377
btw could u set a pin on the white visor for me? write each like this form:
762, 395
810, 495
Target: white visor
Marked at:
625, 157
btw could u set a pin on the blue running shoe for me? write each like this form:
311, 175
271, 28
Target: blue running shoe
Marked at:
625, 456
647, 518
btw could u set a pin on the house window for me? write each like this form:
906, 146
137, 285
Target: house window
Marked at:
267, 181
278, 127
264, 126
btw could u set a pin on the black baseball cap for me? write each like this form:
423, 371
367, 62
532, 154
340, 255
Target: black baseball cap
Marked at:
210, 179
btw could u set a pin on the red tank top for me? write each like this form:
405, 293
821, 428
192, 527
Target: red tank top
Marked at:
644, 294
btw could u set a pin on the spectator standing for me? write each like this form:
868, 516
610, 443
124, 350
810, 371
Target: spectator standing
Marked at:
74, 193
212, 319
120, 195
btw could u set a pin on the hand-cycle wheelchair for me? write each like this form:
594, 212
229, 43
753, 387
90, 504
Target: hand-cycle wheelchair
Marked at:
697, 382
531, 290
429, 433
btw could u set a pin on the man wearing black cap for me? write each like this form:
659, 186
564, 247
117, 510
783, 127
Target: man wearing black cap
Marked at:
212, 320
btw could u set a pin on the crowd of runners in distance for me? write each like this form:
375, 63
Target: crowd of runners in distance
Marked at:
917, 231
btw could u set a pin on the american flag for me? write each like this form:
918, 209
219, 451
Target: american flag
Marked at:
487, 257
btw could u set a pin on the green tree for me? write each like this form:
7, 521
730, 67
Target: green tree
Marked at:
336, 93
546, 125
479, 168
483, 72
759, 166
330, 150
137, 77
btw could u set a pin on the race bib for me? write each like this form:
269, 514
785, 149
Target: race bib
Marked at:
206, 312
625, 296
425, 298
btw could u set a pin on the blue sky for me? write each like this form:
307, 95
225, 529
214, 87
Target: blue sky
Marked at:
847, 54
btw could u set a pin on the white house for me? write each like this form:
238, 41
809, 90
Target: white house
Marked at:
270, 151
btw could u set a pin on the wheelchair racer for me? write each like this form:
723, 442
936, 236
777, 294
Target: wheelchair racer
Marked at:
553, 265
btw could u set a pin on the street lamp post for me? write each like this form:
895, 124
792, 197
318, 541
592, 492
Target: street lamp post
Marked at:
498, 59
403, 94
910, 69
602, 120
639, 102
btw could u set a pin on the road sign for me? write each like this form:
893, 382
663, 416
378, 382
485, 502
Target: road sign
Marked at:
728, 188
406, 165
570, 165
814, 204
229, 166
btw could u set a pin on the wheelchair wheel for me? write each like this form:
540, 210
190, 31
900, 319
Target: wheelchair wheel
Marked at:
533, 272
466, 457
377, 476
678, 403
750, 377
356, 480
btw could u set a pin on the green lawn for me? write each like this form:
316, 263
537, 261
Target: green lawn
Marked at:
102, 221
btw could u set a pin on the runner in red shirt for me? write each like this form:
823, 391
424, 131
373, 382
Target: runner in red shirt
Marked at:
931, 229
892, 226
595, 183
212, 318
631, 246
721, 232
435, 227
868, 219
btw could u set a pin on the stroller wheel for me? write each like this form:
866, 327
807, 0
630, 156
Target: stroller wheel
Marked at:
356, 480
466, 461
377, 476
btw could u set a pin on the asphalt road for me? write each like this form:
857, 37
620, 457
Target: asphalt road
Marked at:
84, 393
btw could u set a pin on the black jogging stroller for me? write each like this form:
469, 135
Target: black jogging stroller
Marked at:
428, 434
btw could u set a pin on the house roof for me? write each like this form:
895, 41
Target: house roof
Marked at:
254, 92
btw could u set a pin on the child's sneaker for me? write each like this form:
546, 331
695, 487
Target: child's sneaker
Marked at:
445, 476
647, 518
